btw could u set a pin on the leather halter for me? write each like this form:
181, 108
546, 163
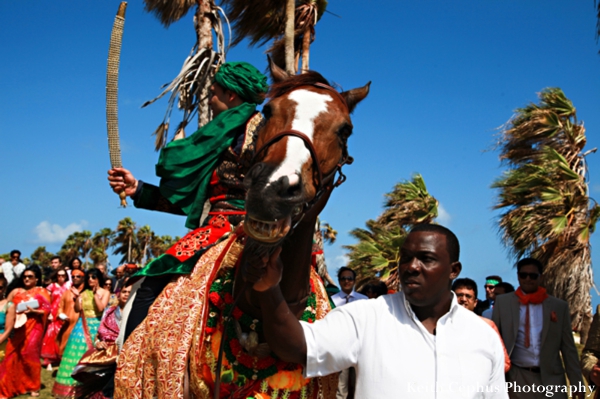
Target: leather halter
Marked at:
345, 159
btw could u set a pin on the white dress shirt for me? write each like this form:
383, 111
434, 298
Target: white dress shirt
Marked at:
341, 298
11, 272
396, 357
529, 357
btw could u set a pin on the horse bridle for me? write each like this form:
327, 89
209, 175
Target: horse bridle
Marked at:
345, 159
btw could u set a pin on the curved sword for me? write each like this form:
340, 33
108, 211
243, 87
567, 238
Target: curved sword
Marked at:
112, 78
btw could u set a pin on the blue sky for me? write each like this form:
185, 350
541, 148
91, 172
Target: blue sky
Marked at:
445, 76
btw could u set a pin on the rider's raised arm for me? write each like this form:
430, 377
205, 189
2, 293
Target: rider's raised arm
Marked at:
144, 195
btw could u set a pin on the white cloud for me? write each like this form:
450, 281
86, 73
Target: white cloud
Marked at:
334, 264
55, 234
443, 216
339, 261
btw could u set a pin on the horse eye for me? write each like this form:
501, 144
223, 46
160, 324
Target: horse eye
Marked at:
267, 112
344, 132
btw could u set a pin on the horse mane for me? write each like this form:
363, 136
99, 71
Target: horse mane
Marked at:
305, 79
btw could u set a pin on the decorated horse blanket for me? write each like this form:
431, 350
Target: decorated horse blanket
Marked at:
183, 330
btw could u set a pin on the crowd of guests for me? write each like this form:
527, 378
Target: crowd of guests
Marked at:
71, 319
58, 316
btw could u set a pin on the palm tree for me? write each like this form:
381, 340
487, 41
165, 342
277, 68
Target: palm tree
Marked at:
328, 232
146, 239
77, 244
160, 245
84, 243
544, 197
101, 241
377, 252
125, 241
191, 86
290, 25
41, 257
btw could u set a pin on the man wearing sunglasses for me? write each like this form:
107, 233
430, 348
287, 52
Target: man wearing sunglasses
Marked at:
536, 329
490, 294
14, 268
346, 278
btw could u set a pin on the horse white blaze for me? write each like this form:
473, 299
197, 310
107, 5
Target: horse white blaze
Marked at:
309, 105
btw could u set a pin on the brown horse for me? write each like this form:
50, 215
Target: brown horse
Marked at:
174, 352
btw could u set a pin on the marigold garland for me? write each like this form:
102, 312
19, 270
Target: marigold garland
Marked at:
220, 304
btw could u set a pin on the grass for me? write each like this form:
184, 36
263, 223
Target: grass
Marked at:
47, 383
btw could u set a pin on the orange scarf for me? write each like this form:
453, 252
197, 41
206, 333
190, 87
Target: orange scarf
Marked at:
536, 298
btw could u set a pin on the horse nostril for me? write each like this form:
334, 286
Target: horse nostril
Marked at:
289, 186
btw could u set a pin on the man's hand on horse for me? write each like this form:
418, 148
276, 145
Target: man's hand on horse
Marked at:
120, 179
264, 271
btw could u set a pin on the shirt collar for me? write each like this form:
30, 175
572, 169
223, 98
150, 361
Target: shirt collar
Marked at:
453, 306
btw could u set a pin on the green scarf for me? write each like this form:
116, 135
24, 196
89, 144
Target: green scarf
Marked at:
185, 166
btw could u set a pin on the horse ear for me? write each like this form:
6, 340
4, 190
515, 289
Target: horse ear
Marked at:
355, 96
278, 74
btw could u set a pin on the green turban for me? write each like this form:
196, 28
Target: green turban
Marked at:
244, 80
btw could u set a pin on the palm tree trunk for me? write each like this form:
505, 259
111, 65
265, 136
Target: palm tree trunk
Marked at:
203, 26
306, 49
129, 251
289, 37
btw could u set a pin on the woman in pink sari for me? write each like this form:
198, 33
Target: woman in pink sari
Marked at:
50, 351
20, 372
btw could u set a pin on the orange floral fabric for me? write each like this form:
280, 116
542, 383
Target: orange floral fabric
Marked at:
155, 358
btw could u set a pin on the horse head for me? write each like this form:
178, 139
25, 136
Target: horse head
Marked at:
299, 152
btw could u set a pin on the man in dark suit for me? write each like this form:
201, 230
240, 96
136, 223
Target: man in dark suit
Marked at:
536, 330
490, 295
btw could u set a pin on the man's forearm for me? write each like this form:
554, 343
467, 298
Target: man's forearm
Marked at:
282, 329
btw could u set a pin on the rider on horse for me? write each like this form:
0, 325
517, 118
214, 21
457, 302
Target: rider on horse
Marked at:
208, 166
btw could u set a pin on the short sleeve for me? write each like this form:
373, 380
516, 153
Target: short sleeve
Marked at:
332, 343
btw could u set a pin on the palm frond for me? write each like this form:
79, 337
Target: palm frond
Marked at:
169, 11
257, 20
547, 212
377, 251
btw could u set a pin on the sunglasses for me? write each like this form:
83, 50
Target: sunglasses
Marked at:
532, 276
346, 279
28, 276
93, 278
491, 287
2, 287
76, 275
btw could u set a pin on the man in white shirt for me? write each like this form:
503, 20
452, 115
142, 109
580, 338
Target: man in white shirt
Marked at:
14, 268
346, 278
536, 330
417, 343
